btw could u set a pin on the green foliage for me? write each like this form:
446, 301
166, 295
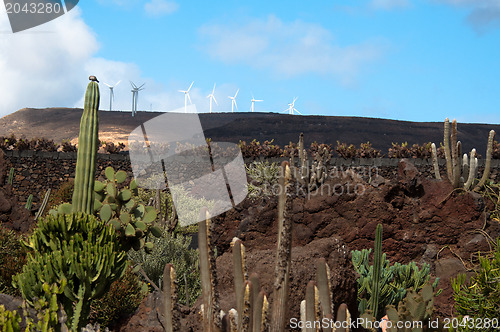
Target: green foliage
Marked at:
119, 206
394, 281
66, 146
9, 321
121, 300
480, 297
188, 206
12, 259
346, 151
414, 307
263, 178
173, 249
48, 310
74, 249
255, 149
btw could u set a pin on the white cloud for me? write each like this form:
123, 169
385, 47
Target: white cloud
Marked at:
288, 49
483, 15
48, 66
160, 7
390, 4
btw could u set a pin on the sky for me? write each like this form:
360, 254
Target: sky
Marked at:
415, 60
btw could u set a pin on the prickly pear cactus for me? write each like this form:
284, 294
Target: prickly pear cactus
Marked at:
118, 205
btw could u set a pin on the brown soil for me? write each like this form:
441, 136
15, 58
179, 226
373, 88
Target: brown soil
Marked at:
424, 221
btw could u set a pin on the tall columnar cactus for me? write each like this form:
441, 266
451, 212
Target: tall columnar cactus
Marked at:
487, 165
208, 274
240, 275
377, 271
88, 144
169, 314
283, 254
43, 206
456, 175
311, 306
435, 162
324, 287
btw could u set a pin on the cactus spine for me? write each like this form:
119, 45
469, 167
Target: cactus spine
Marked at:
283, 255
88, 144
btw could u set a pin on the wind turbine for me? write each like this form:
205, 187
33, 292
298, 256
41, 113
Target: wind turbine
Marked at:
291, 107
212, 97
233, 101
186, 97
253, 102
135, 96
111, 94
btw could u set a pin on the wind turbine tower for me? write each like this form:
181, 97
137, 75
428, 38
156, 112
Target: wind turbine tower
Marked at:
253, 103
212, 98
186, 97
233, 101
111, 94
291, 107
135, 96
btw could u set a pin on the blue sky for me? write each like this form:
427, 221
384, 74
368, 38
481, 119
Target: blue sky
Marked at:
417, 60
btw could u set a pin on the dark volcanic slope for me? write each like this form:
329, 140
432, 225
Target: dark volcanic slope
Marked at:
63, 123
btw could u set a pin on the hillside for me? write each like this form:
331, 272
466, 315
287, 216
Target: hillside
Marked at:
63, 123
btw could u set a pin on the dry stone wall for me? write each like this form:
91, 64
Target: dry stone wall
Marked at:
36, 171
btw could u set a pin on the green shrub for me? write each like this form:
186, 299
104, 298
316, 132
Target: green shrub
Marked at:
121, 300
263, 178
480, 297
12, 259
396, 279
75, 249
173, 249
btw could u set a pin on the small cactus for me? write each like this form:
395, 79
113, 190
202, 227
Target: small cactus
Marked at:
29, 202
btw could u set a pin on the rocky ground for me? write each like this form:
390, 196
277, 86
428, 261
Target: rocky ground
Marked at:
424, 220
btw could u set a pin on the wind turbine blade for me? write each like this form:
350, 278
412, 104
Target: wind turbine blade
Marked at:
235, 105
117, 83
182, 91
133, 85
190, 86
236, 93
187, 94
215, 100
209, 96
107, 84
259, 100
213, 90
140, 88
